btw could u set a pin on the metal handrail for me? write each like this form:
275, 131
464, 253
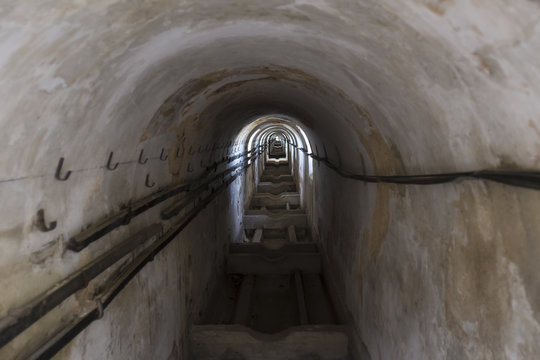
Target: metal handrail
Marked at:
21, 318
121, 280
105, 226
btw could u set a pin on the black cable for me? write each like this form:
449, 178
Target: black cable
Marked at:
525, 179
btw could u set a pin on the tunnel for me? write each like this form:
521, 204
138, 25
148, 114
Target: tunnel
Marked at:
284, 179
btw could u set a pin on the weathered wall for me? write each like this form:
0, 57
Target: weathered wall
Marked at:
150, 318
454, 283
392, 87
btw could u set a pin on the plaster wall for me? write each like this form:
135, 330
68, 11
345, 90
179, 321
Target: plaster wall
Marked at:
389, 87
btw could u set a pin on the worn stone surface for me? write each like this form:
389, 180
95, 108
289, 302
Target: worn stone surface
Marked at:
387, 87
324, 342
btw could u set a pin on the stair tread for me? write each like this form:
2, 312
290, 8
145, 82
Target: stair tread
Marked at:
323, 342
261, 249
273, 221
281, 263
276, 286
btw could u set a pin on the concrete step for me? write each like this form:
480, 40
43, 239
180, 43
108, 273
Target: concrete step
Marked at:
270, 200
273, 263
276, 188
236, 342
271, 221
261, 249
291, 234
274, 212
276, 169
275, 208
277, 178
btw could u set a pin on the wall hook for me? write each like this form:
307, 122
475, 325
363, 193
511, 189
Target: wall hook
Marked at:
190, 151
207, 148
214, 147
199, 150
202, 164
325, 152
161, 157
317, 157
178, 154
58, 175
147, 181
338, 158
99, 308
211, 166
41, 222
189, 167
141, 161
108, 166
176, 173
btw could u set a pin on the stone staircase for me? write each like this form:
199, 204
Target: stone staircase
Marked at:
274, 303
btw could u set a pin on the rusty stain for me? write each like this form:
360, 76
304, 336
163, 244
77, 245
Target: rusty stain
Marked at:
380, 219
166, 117
168, 112
15, 232
533, 126
364, 113
435, 8
47, 251
236, 84
187, 107
469, 284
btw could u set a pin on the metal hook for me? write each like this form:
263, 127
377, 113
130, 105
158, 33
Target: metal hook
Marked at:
129, 215
178, 155
190, 151
41, 222
161, 155
325, 153
189, 167
176, 173
141, 161
59, 171
207, 148
214, 147
317, 157
99, 307
338, 158
199, 150
108, 166
146, 182
212, 166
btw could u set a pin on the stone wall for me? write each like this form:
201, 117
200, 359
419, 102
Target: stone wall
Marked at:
388, 87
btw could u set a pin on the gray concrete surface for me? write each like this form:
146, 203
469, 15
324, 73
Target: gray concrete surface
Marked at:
388, 87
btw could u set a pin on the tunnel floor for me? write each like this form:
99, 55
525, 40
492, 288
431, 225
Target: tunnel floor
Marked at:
274, 303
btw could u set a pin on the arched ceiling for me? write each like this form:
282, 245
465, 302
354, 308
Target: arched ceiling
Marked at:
391, 81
